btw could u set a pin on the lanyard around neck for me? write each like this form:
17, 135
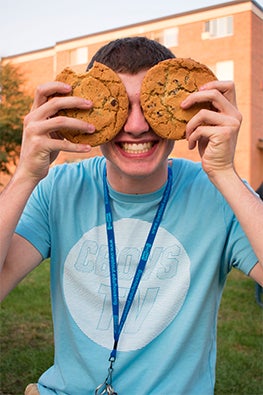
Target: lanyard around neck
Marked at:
118, 324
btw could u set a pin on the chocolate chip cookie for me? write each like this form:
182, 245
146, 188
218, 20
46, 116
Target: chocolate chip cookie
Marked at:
105, 89
163, 89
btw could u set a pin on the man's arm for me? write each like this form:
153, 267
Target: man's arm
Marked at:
22, 257
215, 133
248, 209
17, 256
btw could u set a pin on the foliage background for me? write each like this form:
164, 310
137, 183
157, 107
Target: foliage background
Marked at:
15, 104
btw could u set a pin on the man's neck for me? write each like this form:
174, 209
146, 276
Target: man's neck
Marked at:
136, 184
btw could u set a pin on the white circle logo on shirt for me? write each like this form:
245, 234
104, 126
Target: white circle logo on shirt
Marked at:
160, 295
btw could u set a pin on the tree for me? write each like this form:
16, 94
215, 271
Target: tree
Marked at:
14, 105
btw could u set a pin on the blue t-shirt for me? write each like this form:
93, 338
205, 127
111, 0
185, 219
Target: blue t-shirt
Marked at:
168, 343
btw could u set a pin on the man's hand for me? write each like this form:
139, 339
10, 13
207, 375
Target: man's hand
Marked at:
41, 141
216, 131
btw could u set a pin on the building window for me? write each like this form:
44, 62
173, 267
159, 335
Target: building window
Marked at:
225, 70
79, 56
216, 28
170, 37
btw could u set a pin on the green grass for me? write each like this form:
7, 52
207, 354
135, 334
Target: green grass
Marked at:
27, 341
240, 339
26, 333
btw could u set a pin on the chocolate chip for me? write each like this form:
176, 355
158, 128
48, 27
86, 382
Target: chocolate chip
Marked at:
114, 102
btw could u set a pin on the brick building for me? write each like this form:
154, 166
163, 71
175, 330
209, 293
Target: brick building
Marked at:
227, 37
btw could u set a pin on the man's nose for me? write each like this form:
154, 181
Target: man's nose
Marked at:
136, 122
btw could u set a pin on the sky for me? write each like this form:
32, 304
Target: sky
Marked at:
30, 25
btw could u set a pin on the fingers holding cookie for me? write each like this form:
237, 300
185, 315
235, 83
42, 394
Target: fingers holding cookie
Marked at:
215, 132
49, 99
43, 120
227, 88
110, 106
42, 141
224, 114
54, 105
44, 91
220, 100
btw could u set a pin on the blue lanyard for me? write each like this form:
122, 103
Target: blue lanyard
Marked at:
118, 325
106, 386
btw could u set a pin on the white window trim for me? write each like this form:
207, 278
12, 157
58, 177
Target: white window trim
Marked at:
218, 28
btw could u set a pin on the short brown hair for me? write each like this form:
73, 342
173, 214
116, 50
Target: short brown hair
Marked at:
131, 54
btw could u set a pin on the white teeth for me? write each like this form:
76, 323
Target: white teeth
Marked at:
136, 148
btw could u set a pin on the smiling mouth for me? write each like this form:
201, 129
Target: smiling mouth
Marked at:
139, 148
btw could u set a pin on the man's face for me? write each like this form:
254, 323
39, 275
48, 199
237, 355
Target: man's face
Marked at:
136, 153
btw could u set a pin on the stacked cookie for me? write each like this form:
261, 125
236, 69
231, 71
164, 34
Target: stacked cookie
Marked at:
105, 89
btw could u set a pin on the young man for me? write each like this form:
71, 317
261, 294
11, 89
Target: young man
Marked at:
162, 337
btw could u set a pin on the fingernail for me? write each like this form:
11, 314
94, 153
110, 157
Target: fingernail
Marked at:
87, 101
68, 87
203, 87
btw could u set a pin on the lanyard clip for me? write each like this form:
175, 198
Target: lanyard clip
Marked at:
106, 387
